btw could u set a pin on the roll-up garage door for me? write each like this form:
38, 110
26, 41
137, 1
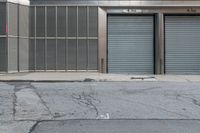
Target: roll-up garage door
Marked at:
182, 44
130, 44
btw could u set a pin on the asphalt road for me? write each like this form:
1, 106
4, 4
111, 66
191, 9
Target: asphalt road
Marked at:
118, 126
100, 107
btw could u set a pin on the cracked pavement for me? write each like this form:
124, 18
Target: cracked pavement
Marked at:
35, 107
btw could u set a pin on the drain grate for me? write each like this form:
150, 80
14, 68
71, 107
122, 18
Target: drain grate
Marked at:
143, 78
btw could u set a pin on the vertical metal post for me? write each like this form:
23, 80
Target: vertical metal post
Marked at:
66, 45
45, 49
8, 29
162, 43
77, 39
18, 37
35, 60
97, 38
88, 38
56, 37
159, 44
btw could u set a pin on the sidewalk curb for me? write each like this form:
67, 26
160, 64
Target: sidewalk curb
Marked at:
73, 81
52, 81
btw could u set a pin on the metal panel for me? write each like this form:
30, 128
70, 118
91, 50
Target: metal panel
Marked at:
51, 21
40, 21
72, 21
12, 54
2, 18
72, 55
23, 21
51, 54
23, 54
32, 22
82, 55
3, 56
40, 54
32, 54
93, 55
93, 21
182, 37
82, 21
61, 54
121, 3
130, 44
13, 19
61, 21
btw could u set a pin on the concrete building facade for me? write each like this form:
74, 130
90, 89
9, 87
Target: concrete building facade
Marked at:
113, 36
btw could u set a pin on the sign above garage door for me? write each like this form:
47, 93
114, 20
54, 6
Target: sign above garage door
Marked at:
130, 44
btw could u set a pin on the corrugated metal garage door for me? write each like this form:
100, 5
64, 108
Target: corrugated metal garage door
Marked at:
182, 44
130, 44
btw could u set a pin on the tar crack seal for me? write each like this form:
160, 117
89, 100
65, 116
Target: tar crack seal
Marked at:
88, 100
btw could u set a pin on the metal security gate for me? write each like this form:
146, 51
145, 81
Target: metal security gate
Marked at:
182, 44
131, 44
63, 38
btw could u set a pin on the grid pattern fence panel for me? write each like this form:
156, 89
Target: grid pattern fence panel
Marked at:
63, 38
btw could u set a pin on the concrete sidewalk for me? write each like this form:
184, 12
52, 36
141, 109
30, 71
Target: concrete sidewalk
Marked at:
92, 77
